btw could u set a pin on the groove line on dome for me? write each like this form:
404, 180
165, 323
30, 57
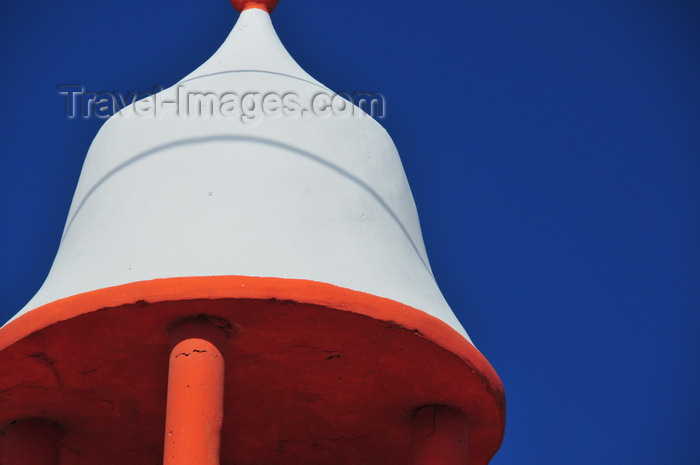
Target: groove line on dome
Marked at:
227, 138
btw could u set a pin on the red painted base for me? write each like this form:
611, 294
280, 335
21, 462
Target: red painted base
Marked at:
320, 375
440, 436
32, 441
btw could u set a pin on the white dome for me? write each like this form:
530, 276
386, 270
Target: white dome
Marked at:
268, 181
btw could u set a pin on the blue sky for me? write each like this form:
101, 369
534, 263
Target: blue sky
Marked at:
553, 149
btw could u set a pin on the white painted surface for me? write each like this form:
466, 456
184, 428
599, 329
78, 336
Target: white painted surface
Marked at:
320, 198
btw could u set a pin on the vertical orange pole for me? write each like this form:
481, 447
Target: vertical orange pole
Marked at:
440, 436
195, 405
32, 442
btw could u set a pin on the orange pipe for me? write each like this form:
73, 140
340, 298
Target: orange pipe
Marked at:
32, 442
440, 435
195, 405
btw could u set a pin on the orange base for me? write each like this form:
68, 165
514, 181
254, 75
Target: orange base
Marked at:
315, 374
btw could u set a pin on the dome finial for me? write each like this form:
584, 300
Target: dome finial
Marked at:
266, 5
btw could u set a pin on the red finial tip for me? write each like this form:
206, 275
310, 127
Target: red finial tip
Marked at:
266, 5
